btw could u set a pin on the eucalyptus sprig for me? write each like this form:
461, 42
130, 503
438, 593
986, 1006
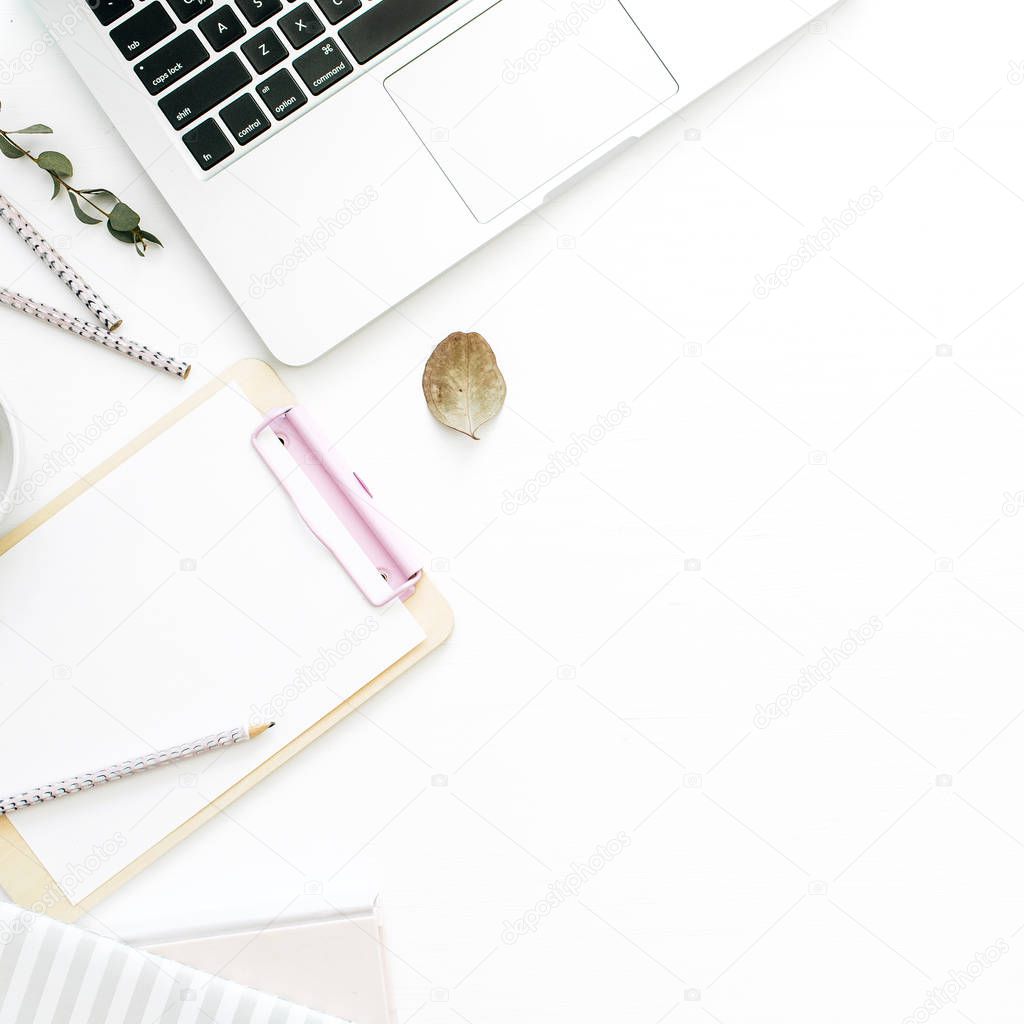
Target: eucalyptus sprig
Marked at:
122, 220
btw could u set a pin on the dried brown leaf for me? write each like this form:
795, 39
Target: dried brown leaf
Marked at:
462, 383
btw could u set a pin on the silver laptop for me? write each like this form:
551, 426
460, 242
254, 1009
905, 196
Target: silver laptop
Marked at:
331, 156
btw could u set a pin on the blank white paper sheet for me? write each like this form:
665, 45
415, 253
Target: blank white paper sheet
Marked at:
181, 596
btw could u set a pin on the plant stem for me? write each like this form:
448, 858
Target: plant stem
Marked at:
70, 188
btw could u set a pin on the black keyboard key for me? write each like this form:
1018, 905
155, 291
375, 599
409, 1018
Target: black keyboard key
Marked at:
204, 91
385, 24
142, 31
221, 28
322, 66
258, 11
186, 10
281, 94
335, 10
208, 144
108, 11
264, 50
162, 68
245, 119
300, 26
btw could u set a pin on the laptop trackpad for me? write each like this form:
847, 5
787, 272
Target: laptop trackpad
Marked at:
524, 90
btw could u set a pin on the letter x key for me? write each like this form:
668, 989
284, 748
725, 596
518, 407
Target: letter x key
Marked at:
301, 26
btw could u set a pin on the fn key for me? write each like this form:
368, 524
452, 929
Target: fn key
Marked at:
208, 144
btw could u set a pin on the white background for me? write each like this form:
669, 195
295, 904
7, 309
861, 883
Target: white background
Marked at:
791, 466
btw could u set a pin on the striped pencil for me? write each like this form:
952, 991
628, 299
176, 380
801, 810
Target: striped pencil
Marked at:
117, 342
133, 766
64, 271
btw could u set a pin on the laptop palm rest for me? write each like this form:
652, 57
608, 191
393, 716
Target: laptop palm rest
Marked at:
524, 91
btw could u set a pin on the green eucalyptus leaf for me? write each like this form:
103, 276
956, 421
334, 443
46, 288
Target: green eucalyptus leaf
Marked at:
58, 163
34, 129
124, 218
9, 149
100, 193
121, 236
150, 238
56, 185
79, 212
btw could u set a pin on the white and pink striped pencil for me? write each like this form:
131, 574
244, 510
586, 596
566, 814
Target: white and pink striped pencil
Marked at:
117, 342
53, 259
132, 766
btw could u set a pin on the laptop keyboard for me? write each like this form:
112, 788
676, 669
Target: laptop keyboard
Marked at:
222, 96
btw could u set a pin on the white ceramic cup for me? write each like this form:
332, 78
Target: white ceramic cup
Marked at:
10, 456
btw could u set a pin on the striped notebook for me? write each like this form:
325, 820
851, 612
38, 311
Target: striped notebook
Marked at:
52, 973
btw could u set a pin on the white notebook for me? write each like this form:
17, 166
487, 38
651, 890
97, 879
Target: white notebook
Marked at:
334, 965
52, 973
180, 596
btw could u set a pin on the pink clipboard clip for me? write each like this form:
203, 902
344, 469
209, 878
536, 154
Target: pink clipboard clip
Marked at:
337, 506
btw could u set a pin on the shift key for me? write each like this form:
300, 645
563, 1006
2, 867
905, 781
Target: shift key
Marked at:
206, 90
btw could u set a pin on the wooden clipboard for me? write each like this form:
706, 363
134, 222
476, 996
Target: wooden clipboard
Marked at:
22, 875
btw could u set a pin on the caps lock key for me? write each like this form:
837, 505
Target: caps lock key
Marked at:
175, 60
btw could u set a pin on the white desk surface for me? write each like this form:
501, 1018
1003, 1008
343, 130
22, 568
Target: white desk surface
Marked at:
842, 452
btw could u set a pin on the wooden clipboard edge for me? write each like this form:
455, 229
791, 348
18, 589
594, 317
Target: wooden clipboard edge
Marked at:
245, 373
22, 875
